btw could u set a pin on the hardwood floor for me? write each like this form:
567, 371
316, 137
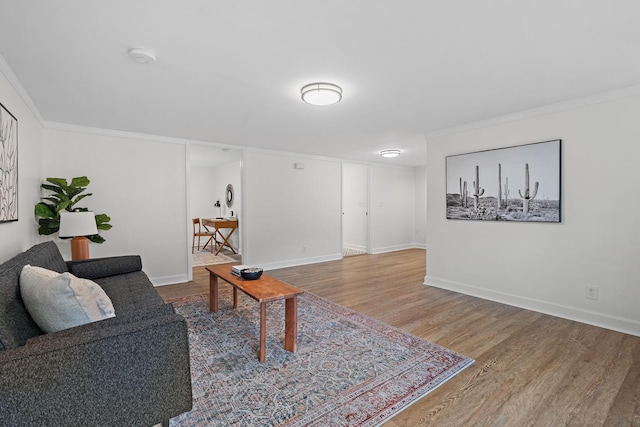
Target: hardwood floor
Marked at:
531, 369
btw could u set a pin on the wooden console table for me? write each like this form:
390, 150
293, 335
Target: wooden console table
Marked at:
264, 290
220, 224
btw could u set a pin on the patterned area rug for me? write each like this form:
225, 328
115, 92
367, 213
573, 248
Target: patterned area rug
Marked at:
352, 252
205, 257
349, 369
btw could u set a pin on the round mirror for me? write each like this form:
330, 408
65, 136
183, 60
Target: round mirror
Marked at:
229, 195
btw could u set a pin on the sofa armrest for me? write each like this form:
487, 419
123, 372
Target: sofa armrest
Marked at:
113, 372
97, 268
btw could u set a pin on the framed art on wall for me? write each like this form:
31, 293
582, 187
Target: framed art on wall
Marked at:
520, 183
8, 166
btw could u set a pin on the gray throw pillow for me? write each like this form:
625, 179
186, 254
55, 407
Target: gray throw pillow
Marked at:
60, 301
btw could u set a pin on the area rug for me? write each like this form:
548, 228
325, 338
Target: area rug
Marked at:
349, 369
352, 252
205, 257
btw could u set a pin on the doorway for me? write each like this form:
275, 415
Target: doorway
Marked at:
355, 209
215, 193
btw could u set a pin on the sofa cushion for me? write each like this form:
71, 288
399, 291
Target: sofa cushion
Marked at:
58, 301
6, 333
131, 292
17, 326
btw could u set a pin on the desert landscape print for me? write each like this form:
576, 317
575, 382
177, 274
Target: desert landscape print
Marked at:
520, 183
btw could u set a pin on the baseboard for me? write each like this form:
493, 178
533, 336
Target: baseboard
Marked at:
615, 323
169, 280
299, 261
397, 248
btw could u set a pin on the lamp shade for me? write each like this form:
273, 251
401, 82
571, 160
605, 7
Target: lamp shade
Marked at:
74, 224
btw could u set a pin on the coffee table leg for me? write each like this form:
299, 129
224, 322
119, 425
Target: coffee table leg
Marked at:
291, 324
235, 297
213, 292
263, 332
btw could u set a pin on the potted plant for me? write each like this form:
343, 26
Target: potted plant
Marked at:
65, 196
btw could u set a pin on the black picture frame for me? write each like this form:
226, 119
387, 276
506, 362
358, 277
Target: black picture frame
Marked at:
8, 166
515, 184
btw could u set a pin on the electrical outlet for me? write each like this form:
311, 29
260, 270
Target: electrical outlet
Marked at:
304, 249
592, 292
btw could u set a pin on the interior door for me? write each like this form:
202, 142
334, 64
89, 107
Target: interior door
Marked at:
355, 208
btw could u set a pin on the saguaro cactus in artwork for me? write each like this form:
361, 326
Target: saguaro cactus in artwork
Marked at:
506, 192
527, 197
463, 194
499, 186
477, 191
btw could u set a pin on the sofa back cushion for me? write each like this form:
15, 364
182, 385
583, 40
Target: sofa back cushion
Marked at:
16, 326
130, 293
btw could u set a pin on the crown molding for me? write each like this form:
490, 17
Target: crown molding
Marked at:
586, 101
6, 70
291, 154
214, 144
112, 133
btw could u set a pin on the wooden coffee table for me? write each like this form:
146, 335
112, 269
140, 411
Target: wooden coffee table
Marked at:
264, 290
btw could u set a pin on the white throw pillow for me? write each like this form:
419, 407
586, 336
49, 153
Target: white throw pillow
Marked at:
58, 301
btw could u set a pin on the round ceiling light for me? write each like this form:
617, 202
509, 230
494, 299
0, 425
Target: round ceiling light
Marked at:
321, 93
390, 153
142, 55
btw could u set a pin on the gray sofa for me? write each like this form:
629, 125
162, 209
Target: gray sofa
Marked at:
129, 370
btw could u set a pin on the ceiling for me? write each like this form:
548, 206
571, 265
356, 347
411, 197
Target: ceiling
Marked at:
230, 72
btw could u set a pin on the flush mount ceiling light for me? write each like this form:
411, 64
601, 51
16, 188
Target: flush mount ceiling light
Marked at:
321, 93
142, 55
390, 153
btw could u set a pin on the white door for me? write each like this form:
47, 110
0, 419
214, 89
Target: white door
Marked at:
355, 208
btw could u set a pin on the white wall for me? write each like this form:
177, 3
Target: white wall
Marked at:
17, 236
421, 207
392, 208
287, 210
202, 196
545, 267
140, 184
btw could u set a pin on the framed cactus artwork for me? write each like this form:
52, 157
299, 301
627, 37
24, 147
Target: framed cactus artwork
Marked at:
521, 183
8, 166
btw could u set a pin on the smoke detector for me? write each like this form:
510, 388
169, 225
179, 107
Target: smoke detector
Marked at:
142, 55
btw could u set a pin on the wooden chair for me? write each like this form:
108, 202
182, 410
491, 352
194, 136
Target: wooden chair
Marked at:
197, 232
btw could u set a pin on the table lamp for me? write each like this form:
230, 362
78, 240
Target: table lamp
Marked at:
217, 205
78, 225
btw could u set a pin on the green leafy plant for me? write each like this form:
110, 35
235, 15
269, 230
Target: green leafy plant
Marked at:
65, 196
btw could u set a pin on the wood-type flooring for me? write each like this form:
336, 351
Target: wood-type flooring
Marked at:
531, 369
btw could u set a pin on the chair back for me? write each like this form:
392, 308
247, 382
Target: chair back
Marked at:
196, 222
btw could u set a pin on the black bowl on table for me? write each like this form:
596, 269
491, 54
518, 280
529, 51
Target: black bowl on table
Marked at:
251, 273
